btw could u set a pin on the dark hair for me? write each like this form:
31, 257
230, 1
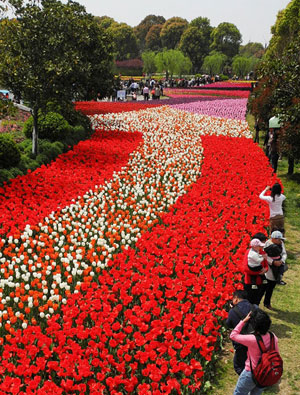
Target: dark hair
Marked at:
260, 236
240, 294
261, 321
275, 190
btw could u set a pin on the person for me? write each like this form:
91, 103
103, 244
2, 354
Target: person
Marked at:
240, 308
260, 236
157, 92
255, 267
277, 266
146, 92
274, 150
261, 323
256, 127
275, 202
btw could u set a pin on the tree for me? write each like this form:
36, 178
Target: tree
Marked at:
285, 30
124, 40
53, 51
153, 40
142, 29
171, 32
226, 38
214, 63
172, 62
149, 62
241, 65
195, 41
105, 21
252, 49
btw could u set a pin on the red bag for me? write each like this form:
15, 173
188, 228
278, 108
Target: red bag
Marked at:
270, 365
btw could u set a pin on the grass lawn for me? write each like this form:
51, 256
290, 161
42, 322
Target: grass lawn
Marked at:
285, 300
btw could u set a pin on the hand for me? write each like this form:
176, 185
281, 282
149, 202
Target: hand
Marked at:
277, 263
263, 271
268, 187
248, 316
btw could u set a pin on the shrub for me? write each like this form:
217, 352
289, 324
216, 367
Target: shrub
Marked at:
223, 77
10, 154
28, 127
42, 159
15, 171
5, 175
51, 150
27, 163
7, 109
52, 126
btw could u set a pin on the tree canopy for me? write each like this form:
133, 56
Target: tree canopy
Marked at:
226, 38
285, 30
124, 40
171, 32
195, 41
172, 62
214, 63
149, 62
142, 29
252, 49
153, 40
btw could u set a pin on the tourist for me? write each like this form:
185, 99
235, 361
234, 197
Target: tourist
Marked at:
261, 323
157, 92
275, 202
240, 308
146, 92
255, 267
277, 265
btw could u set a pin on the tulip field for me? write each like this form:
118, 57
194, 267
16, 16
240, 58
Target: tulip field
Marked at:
119, 258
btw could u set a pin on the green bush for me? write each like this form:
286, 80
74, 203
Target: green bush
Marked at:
223, 77
5, 175
27, 163
10, 154
50, 150
28, 127
7, 109
54, 127
51, 126
15, 171
42, 159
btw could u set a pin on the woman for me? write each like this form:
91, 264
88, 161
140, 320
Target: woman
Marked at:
275, 205
255, 267
261, 323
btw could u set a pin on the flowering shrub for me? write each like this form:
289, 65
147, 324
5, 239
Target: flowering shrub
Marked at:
151, 322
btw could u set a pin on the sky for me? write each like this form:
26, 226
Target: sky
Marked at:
253, 18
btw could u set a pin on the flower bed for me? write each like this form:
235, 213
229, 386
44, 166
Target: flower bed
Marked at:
230, 84
169, 119
124, 289
151, 322
194, 92
90, 108
227, 108
28, 199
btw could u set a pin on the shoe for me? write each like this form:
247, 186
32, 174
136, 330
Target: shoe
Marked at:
281, 282
268, 306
